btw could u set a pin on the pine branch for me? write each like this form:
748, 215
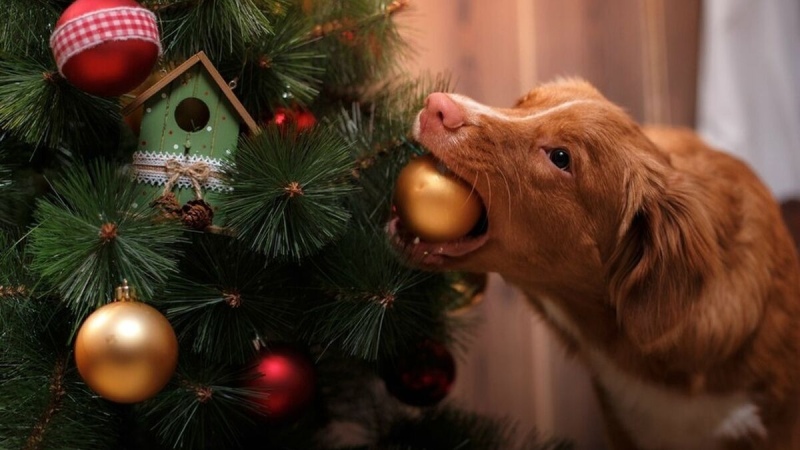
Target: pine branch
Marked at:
288, 191
377, 306
361, 38
398, 101
221, 28
16, 280
379, 160
95, 233
12, 195
378, 130
372, 204
57, 393
206, 409
44, 404
225, 297
41, 109
282, 68
25, 28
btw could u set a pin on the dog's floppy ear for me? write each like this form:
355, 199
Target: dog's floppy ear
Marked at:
665, 254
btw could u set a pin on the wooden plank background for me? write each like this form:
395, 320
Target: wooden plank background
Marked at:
642, 54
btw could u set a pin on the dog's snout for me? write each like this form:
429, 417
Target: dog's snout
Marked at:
442, 109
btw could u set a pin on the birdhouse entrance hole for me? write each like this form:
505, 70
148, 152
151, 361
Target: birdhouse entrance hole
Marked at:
192, 114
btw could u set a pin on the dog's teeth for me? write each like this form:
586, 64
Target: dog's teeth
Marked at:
416, 240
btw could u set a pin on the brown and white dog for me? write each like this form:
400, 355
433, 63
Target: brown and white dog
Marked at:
662, 264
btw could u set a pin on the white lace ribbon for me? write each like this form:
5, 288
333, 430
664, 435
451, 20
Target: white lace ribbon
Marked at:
152, 168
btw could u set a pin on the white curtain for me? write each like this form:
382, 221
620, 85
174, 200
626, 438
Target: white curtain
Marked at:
749, 86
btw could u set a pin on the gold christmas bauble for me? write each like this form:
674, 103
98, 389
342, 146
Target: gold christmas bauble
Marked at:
433, 203
470, 290
126, 351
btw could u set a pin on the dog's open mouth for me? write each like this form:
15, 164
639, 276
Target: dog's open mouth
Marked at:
421, 252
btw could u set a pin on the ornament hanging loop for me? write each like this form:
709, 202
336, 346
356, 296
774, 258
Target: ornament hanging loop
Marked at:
125, 293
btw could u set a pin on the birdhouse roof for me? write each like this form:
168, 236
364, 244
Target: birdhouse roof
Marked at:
201, 58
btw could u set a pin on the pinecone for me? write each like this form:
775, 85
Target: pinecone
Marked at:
169, 205
197, 214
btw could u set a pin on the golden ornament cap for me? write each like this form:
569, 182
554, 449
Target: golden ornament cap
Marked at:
124, 293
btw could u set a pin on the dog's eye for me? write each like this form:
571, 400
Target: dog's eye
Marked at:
560, 158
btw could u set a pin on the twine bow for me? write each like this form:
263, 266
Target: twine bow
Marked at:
197, 172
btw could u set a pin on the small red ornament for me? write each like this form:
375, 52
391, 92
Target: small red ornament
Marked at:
287, 376
300, 118
423, 377
106, 47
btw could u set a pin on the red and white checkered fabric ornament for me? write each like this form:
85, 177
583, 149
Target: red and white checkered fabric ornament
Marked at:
106, 47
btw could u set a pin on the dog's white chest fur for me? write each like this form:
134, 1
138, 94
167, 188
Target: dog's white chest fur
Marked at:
656, 417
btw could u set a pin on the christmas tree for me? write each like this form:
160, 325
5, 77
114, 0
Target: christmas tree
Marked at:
193, 196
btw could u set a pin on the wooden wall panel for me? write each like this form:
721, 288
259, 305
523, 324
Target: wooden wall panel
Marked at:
682, 23
594, 39
623, 46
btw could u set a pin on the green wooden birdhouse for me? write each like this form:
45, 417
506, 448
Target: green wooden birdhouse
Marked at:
190, 126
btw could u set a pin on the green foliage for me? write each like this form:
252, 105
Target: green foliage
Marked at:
225, 297
16, 285
263, 47
377, 306
12, 192
299, 256
288, 191
25, 30
73, 257
377, 130
206, 409
398, 101
282, 68
41, 109
41, 394
221, 28
361, 39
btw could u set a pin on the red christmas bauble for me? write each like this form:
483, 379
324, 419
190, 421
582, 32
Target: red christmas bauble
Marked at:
423, 377
301, 119
106, 47
287, 376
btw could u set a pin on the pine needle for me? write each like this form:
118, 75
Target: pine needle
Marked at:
376, 306
289, 190
225, 297
43, 402
82, 260
206, 409
282, 68
25, 30
221, 28
41, 109
362, 40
